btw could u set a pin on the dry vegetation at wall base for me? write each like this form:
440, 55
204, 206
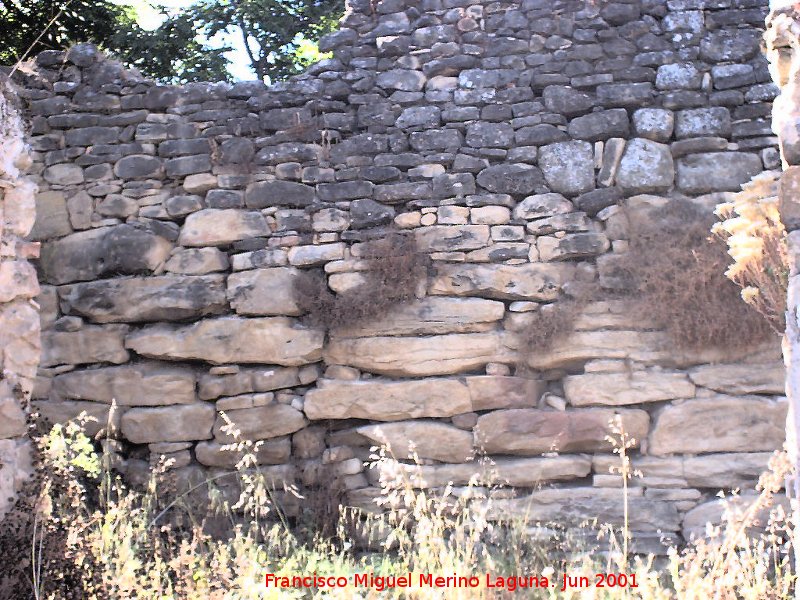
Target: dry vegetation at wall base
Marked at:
80, 533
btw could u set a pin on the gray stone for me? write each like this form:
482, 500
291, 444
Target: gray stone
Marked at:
528, 431
251, 380
600, 125
715, 121
567, 101
737, 45
698, 145
259, 423
52, 412
180, 206
183, 423
269, 452
716, 171
225, 199
264, 291
482, 134
197, 261
278, 193
402, 79
678, 76
85, 346
131, 300
141, 384
593, 202
568, 167
572, 245
654, 124
626, 95
516, 178
646, 166
365, 213
52, 217
120, 250
139, 166
269, 340
173, 148
542, 205
187, 165
63, 174
89, 136
539, 135
745, 378
346, 190
449, 238
732, 76
424, 117
237, 151
435, 139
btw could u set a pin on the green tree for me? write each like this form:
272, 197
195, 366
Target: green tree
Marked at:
279, 35
170, 53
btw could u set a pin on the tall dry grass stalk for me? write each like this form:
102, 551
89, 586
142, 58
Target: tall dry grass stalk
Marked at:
751, 227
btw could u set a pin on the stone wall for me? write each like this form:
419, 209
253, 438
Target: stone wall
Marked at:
508, 138
19, 318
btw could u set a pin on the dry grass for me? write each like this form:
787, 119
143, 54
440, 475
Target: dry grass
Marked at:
550, 324
675, 271
752, 229
395, 266
93, 538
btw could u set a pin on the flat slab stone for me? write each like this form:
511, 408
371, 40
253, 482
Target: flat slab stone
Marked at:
85, 346
387, 400
424, 439
433, 315
744, 378
142, 384
418, 356
450, 238
716, 171
518, 472
491, 392
264, 291
248, 380
575, 506
183, 423
268, 340
617, 389
132, 300
54, 412
719, 424
260, 423
119, 250
532, 281
529, 431
269, 452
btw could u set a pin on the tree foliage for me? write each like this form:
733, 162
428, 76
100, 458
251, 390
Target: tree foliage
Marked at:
279, 35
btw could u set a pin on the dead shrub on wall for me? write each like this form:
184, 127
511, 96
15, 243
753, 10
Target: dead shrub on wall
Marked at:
395, 266
675, 274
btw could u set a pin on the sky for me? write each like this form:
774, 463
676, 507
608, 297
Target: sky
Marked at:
149, 18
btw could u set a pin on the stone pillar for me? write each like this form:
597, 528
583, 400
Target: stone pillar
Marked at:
782, 39
19, 315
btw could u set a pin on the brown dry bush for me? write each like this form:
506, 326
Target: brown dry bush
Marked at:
551, 323
674, 270
395, 266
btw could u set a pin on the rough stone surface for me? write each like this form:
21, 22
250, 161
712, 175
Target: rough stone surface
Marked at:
616, 389
270, 340
264, 291
567, 167
425, 439
259, 423
183, 423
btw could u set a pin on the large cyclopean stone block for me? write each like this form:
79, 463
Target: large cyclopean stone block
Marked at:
568, 167
184, 423
719, 424
534, 281
120, 250
165, 298
418, 356
646, 166
269, 340
531, 431
716, 171
142, 384
425, 439
382, 400
220, 227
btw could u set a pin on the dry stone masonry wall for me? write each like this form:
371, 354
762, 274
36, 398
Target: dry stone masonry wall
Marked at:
508, 138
